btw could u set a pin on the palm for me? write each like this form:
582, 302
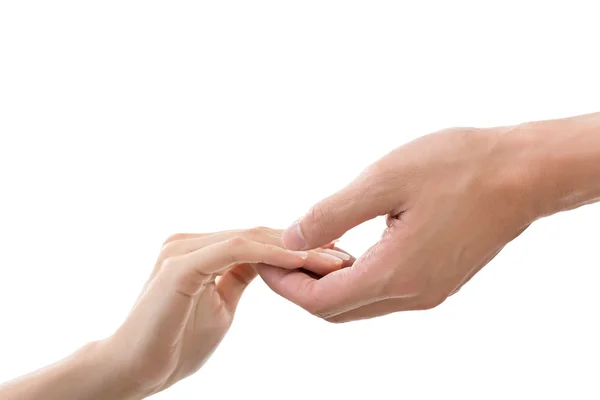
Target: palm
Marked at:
209, 320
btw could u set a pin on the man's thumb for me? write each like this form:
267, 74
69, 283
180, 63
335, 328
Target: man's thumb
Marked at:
332, 217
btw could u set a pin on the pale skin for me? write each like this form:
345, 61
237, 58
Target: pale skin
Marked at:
181, 316
453, 200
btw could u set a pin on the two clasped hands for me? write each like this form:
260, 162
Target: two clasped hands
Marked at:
453, 200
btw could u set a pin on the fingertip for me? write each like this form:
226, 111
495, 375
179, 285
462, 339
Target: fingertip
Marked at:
330, 258
293, 238
337, 254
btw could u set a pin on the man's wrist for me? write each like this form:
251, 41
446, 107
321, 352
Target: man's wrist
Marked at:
561, 162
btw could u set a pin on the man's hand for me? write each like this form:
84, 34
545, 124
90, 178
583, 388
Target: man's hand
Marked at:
453, 200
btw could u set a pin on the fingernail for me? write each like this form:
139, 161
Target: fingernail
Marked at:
303, 255
293, 237
330, 257
338, 254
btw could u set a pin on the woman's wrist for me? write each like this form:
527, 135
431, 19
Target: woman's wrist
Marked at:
91, 373
560, 160
104, 373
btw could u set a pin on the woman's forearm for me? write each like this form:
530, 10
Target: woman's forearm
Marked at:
86, 374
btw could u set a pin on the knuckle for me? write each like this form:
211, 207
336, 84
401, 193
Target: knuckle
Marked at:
170, 249
237, 242
235, 247
431, 301
174, 238
170, 263
258, 231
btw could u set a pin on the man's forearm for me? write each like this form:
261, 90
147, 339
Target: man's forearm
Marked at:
87, 374
562, 159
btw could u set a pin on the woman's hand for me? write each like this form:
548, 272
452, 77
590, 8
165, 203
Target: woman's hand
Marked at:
179, 319
189, 301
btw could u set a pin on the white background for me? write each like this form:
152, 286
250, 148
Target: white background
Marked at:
124, 122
